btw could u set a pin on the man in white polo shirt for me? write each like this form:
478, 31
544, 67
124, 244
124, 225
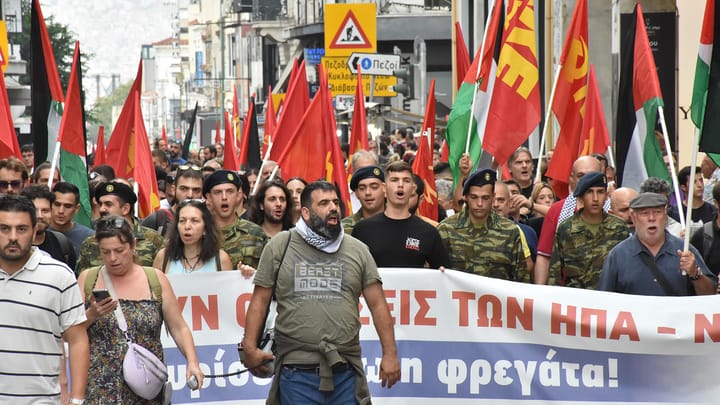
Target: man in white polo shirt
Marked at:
40, 306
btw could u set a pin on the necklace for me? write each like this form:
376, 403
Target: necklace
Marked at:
191, 266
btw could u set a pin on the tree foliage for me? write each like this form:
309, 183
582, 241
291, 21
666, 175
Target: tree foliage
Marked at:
102, 111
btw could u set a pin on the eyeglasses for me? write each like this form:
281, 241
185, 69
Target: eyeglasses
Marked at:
188, 201
109, 223
183, 168
4, 185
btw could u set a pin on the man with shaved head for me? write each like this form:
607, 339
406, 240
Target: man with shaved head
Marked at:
620, 205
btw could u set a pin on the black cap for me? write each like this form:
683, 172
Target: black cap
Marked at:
479, 178
367, 172
592, 179
647, 200
121, 190
221, 177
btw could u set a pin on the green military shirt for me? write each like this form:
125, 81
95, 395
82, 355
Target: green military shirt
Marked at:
493, 249
580, 248
348, 223
149, 242
244, 242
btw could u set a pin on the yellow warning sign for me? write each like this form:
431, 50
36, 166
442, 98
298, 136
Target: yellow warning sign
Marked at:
341, 81
350, 28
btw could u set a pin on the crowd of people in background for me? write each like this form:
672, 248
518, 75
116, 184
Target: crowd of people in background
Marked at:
504, 223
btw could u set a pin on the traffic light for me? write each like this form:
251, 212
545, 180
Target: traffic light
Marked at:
407, 87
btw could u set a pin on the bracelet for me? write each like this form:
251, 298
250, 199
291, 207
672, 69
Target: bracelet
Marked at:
75, 401
697, 275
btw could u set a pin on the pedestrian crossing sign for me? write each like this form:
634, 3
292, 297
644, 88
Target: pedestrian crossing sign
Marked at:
350, 28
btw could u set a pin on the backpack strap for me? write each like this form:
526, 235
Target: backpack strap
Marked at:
708, 236
90, 280
154, 283
218, 266
64, 244
155, 286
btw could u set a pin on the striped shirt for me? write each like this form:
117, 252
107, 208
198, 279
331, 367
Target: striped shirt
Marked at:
37, 304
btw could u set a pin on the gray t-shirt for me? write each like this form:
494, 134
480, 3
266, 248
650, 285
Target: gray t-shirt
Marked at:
317, 292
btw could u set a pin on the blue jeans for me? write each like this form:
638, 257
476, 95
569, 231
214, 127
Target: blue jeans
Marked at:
302, 387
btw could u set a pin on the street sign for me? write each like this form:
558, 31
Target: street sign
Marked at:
341, 81
374, 63
350, 28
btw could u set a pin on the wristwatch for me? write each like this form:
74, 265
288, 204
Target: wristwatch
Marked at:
697, 275
75, 401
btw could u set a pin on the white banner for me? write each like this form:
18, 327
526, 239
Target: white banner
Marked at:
468, 339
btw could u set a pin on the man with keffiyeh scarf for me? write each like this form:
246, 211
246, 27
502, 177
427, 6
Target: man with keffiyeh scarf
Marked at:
317, 273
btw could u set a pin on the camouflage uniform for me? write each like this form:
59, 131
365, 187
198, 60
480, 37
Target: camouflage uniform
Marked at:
580, 249
149, 242
348, 223
493, 249
244, 242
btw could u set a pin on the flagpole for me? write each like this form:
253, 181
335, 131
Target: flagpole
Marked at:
611, 157
688, 213
53, 164
538, 175
262, 165
673, 174
475, 91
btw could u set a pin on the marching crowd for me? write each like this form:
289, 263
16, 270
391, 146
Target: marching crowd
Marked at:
597, 237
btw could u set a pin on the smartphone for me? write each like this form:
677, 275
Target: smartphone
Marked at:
100, 294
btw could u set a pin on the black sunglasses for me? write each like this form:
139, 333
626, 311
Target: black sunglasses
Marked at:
109, 223
14, 184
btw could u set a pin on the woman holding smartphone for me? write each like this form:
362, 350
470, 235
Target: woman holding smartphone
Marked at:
145, 312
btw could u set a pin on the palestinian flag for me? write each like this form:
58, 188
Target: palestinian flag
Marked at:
638, 153
705, 107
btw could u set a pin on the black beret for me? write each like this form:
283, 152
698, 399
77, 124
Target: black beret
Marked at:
366, 172
121, 190
221, 177
592, 179
647, 200
479, 178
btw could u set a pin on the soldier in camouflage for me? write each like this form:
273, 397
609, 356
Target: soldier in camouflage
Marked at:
478, 239
242, 239
584, 240
367, 184
116, 198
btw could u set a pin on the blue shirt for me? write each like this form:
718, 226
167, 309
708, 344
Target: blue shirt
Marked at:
624, 270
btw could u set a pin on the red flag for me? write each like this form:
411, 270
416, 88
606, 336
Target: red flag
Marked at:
444, 151
100, 148
297, 101
250, 145
270, 121
163, 135
313, 151
8, 139
236, 118
569, 103
422, 165
515, 106
594, 136
217, 131
359, 130
462, 57
230, 157
128, 151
